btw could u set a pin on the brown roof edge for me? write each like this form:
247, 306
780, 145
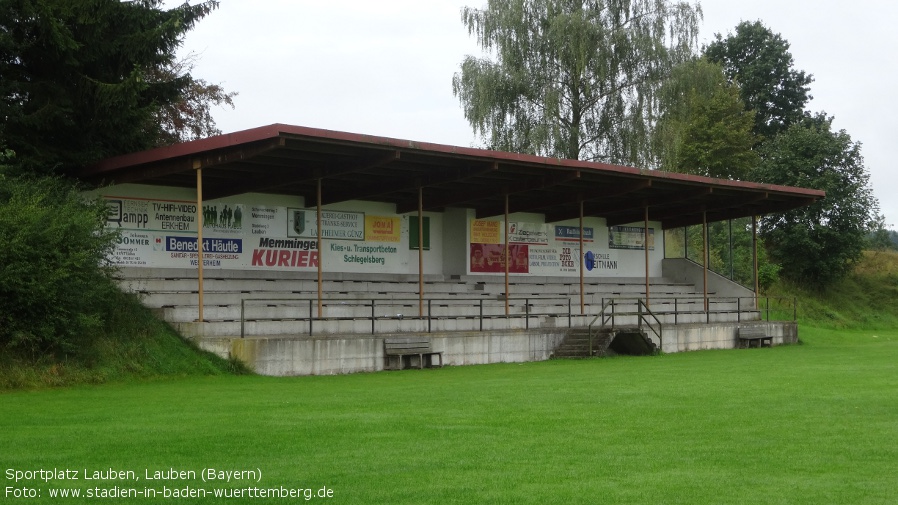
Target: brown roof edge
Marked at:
197, 147
180, 150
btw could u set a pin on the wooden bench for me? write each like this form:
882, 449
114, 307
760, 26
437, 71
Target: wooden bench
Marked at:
754, 334
400, 348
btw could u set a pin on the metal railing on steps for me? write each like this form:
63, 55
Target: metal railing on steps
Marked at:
644, 316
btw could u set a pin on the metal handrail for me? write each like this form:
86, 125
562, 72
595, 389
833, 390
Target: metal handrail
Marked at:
642, 311
659, 332
605, 319
765, 308
528, 302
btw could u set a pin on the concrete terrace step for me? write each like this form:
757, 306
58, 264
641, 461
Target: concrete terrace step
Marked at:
188, 273
168, 298
454, 302
174, 298
563, 288
292, 285
347, 286
330, 289
163, 292
273, 310
126, 273
302, 308
286, 328
577, 344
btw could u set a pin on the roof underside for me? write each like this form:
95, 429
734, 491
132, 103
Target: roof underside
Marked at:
289, 160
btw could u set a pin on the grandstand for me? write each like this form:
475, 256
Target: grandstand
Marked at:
318, 245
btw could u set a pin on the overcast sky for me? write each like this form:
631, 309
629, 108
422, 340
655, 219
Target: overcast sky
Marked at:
385, 68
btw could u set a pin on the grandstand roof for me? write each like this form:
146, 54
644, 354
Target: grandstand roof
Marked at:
287, 159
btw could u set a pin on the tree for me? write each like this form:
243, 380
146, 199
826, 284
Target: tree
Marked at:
818, 243
704, 128
760, 62
75, 85
189, 118
880, 238
81, 80
572, 79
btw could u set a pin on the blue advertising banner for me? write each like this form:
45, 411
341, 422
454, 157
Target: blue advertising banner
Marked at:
572, 234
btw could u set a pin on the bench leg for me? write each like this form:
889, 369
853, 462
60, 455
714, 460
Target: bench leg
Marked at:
430, 355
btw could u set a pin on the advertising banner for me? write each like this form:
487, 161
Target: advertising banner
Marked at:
284, 253
600, 261
151, 215
131, 248
572, 234
630, 237
486, 232
223, 218
528, 233
336, 225
490, 258
550, 249
382, 229
163, 233
265, 220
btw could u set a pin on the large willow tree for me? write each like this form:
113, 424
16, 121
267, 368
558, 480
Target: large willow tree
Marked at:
571, 78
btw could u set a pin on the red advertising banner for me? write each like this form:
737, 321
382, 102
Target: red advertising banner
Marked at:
490, 258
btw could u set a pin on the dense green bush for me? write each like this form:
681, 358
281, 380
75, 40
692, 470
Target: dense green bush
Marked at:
54, 273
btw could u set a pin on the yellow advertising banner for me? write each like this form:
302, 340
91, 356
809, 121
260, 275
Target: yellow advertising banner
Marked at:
382, 229
486, 232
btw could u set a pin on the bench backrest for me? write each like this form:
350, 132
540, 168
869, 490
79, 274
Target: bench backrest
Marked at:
407, 345
752, 331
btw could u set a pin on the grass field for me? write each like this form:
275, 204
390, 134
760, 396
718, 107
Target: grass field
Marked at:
814, 423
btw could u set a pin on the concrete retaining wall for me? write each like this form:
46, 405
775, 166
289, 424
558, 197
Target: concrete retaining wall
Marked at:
327, 355
338, 355
696, 337
683, 270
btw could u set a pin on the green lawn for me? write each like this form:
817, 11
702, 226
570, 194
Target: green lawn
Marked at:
814, 423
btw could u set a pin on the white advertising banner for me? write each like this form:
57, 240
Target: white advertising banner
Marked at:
335, 225
528, 233
163, 233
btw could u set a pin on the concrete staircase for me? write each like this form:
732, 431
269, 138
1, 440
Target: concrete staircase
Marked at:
606, 342
576, 344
